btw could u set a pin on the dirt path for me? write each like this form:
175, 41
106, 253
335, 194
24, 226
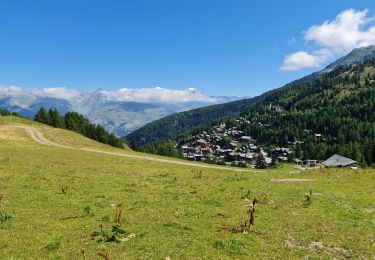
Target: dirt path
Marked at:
37, 136
290, 180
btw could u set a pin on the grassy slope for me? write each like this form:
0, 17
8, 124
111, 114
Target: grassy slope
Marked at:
172, 218
60, 136
69, 138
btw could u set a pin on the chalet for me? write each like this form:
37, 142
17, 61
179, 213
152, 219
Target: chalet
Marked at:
245, 138
219, 152
202, 143
232, 145
298, 162
307, 164
198, 157
185, 148
268, 160
281, 153
340, 161
231, 156
251, 158
206, 150
242, 156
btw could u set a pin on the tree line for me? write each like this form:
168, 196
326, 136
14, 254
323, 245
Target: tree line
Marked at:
78, 123
5, 112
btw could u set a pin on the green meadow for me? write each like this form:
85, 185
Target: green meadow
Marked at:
58, 203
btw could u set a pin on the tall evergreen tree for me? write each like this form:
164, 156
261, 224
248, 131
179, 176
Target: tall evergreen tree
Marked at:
56, 120
42, 116
260, 162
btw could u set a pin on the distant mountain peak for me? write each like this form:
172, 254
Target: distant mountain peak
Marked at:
355, 56
192, 90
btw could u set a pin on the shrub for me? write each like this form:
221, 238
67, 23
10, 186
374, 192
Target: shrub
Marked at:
231, 246
4, 217
64, 189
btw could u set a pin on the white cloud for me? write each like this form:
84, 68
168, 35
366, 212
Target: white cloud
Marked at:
59, 92
350, 29
144, 95
157, 95
11, 91
300, 60
345, 32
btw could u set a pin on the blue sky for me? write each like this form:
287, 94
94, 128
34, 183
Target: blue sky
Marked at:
219, 47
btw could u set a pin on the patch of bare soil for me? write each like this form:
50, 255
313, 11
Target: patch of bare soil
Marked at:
290, 180
291, 242
317, 245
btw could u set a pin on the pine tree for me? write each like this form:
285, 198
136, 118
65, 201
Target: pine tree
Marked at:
260, 162
42, 116
55, 119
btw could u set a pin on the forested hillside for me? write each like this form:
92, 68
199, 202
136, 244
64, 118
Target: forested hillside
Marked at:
333, 113
173, 126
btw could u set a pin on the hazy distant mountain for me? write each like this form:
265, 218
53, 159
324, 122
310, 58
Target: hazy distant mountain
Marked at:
121, 111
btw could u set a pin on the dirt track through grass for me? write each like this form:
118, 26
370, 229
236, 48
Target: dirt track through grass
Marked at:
38, 136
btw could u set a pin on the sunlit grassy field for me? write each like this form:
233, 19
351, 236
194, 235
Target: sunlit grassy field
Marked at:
55, 199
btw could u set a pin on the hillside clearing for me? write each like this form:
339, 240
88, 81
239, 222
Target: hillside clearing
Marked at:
38, 136
55, 199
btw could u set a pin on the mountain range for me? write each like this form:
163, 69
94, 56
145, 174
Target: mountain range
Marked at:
121, 111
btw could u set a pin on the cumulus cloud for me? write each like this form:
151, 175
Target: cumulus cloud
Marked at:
300, 60
350, 29
157, 95
144, 95
11, 91
59, 92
